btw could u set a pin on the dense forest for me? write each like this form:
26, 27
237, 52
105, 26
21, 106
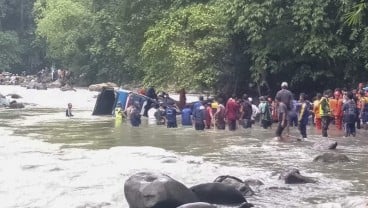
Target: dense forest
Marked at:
219, 45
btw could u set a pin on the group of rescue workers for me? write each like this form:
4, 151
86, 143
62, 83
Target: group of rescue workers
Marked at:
347, 109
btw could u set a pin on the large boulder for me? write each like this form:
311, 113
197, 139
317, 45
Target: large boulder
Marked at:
36, 85
55, 84
67, 87
293, 176
99, 87
218, 193
331, 157
155, 190
236, 183
325, 144
197, 205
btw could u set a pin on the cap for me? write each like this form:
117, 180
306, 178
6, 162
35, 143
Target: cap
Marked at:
284, 84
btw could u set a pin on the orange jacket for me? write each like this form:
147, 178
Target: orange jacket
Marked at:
336, 107
333, 106
316, 109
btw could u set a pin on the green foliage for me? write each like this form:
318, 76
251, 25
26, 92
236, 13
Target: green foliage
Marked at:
63, 24
227, 45
10, 50
185, 48
355, 16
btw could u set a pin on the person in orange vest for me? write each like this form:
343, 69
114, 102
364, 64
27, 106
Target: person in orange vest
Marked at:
317, 116
337, 109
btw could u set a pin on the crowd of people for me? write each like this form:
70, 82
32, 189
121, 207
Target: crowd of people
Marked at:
347, 110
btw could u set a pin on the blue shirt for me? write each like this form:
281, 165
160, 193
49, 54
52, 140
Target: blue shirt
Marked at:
171, 114
186, 117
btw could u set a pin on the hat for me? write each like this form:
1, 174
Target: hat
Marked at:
250, 99
284, 84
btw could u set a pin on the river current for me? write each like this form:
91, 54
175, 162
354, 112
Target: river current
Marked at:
50, 161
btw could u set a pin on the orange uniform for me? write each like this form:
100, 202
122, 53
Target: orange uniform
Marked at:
336, 108
317, 116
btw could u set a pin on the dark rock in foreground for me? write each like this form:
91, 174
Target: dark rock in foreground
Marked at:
156, 190
325, 144
293, 176
331, 157
236, 183
218, 193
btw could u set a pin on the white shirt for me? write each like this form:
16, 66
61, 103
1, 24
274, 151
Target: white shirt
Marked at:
151, 116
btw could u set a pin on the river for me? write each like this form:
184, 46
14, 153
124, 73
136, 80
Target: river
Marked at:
50, 161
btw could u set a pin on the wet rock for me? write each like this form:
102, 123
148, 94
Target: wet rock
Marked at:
279, 188
197, 205
55, 84
218, 193
325, 144
67, 87
14, 96
99, 87
236, 183
293, 176
169, 160
331, 157
14, 104
37, 85
253, 182
148, 190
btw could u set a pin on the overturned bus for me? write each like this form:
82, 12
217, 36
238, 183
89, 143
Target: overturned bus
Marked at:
109, 98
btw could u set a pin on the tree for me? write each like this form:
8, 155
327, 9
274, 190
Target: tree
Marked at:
10, 50
186, 48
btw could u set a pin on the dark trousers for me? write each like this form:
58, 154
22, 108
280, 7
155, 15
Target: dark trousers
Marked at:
303, 129
247, 123
232, 125
199, 126
279, 130
349, 129
172, 125
358, 119
325, 123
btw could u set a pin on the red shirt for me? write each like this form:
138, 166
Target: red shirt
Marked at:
232, 109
